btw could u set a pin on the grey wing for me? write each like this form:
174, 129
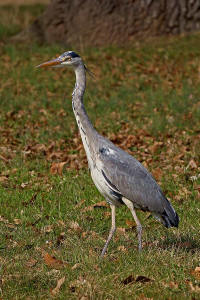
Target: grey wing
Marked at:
131, 179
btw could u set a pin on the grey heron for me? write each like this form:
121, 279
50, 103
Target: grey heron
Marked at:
118, 176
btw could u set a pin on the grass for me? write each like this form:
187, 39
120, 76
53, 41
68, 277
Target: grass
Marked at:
146, 98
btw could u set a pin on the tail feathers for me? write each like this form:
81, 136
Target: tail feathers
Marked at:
169, 217
168, 221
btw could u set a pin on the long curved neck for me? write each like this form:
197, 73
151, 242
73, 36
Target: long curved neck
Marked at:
87, 131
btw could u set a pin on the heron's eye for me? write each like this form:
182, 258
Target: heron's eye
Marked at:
67, 58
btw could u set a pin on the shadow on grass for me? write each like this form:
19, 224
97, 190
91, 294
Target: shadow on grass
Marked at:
183, 242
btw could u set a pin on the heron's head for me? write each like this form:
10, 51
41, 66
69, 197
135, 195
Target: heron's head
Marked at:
68, 58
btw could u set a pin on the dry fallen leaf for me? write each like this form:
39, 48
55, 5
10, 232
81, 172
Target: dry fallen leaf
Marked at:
192, 164
84, 298
196, 273
121, 230
57, 168
47, 228
77, 265
60, 239
173, 285
197, 270
100, 204
3, 158
24, 184
80, 203
60, 282
142, 279
10, 225
17, 221
122, 248
153, 148
61, 223
3, 220
107, 214
157, 173
75, 226
130, 223
3, 178
194, 288
96, 205
142, 297
31, 262
53, 262
128, 280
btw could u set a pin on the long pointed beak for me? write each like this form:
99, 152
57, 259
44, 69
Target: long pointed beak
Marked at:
50, 63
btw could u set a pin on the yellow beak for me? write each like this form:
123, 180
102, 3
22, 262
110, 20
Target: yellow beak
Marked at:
50, 63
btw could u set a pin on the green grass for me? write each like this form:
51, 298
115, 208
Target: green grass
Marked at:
141, 96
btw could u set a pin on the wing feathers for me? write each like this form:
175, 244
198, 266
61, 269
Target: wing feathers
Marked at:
128, 177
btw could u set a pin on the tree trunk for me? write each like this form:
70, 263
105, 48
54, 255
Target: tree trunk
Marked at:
107, 22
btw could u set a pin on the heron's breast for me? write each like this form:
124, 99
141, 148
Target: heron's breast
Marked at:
103, 187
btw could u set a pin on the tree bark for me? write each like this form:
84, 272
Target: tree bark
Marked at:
108, 22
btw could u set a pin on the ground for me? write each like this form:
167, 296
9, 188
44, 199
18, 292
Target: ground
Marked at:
23, 2
53, 221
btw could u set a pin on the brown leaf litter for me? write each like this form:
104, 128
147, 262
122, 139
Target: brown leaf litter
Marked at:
56, 290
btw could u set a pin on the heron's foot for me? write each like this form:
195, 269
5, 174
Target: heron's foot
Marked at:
103, 251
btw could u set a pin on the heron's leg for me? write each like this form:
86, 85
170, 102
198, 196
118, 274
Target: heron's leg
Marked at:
112, 230
129, 204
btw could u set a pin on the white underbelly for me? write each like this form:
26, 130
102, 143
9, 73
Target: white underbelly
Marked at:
102, 186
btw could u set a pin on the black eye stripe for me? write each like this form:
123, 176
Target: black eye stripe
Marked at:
73, 54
